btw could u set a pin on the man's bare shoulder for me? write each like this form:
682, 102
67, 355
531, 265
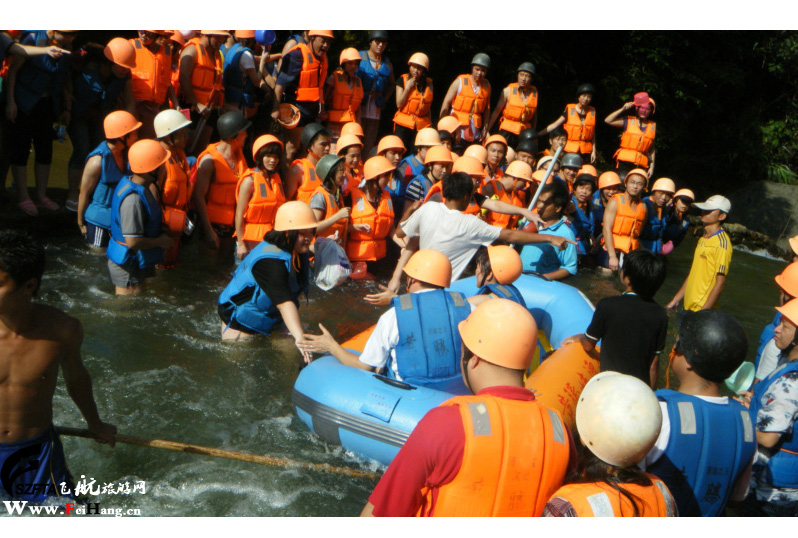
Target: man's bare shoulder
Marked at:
57, 323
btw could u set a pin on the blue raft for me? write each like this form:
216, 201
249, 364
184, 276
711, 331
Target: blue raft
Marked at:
372, 416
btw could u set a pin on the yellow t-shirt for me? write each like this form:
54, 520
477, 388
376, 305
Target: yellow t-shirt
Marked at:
712, 257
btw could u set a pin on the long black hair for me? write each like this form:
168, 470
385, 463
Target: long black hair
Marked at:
283, 240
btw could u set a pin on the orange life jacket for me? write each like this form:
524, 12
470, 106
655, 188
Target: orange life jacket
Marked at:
332, 207
206, 79
580, 132
516, 198
517, 114
345, 100
415, 114
176, 191
435, 193
309, 180
176, 78
153, 72
468, 105
353, 179
628, 223
221, 198
635, 143
598, 499
362, 246
312, 75
516, 454
267, 197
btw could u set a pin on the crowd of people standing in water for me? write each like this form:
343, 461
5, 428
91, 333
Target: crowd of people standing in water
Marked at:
208, 133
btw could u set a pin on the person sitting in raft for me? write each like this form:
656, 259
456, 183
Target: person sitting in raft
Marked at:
579, 122
343, 92
137, 239
607, 482
413, 164
767, 354
656, 207
609, 185
497, 267
259, 195
706, 447
170, 128
350, 148
392, 148
637, 141
624, 216
632, 327
416, 341
582, 217
105, 167
371, 218
774, 408
500, 436
676, 221
547, 260
302, 181
449, 132
327, 202
266, 286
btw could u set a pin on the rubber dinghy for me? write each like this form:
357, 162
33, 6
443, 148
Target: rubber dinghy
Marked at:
372, 416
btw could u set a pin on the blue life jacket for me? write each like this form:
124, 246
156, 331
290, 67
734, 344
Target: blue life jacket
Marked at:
298, 38
709, 447
767, 335
117, 251
428, 352
651, 233
99, 210
92, 93
422, 180
415, 165
374, 80
504, 291
582, 223
40, 76
675, 228
238, 87
259, 313
782, 467
597, 214
396, 189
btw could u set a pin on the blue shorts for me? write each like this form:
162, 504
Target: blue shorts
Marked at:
96, 236
33, 470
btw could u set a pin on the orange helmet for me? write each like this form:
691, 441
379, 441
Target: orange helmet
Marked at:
520, 170
538, 175
289, 116
505, 263
263, 141
432, 267
419, 58
588, 169
449, 124
427, 137
178, 38
244, 34
788, 279
352, 127
608, 179
121, 52
495, 138
345, 141
501, 332
639, 172
215, 32
509, 155
664, 184
119, 123
294, 215
349, 54
685, 193
789, 310
794, 244
147, 155
390, 142
478, 152
321, 33
469, 165
438, 154
377, 166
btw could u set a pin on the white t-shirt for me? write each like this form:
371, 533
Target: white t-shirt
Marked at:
451, 232
246, 61
768, 360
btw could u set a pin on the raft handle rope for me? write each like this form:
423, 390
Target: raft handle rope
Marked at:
394, 382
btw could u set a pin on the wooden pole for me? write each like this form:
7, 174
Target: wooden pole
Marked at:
220, 453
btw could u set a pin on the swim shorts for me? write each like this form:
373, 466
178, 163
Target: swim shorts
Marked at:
35, 469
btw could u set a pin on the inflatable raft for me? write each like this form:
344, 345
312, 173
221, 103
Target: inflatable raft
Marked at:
372, 416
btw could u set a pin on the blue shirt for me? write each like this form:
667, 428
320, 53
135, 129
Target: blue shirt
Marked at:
545, 258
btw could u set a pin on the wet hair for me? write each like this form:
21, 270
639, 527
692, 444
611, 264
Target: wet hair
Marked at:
591, 469
269, 149
445, 135
22, 257
329, 181
559, 131
646, 272
559, 194
585, 179
457, 186
283, 240
713, 343
482, 260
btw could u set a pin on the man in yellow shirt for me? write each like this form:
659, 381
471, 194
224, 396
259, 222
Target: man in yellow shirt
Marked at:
711, 260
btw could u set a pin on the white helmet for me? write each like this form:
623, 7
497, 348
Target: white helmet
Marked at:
169, 121
618, 418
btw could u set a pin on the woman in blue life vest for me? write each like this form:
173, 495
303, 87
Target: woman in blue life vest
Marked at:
582, 217
266, 286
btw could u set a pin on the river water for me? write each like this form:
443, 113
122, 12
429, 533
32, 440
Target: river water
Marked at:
160, 370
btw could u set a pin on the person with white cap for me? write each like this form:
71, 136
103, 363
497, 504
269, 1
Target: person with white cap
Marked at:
713, 254
618, 418
496, 453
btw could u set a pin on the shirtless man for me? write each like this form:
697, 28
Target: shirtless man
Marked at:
35, 340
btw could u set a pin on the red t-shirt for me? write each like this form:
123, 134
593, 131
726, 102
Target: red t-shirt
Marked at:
431, 457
